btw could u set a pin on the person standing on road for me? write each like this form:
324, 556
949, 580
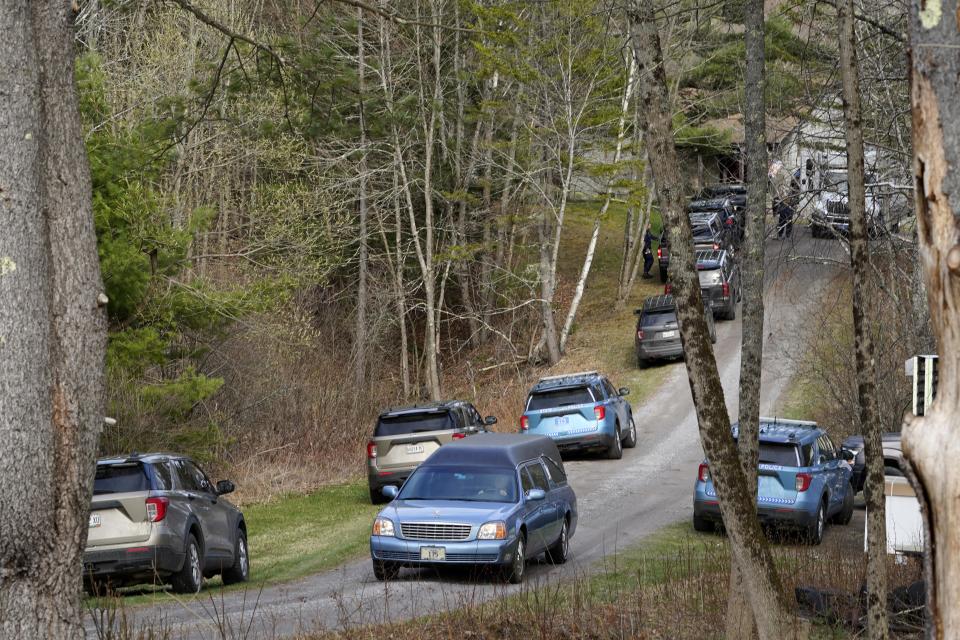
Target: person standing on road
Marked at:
647, 253
780, 192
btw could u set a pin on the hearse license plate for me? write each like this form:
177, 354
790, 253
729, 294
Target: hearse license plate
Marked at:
668, 334
433, 553
94, 520
414, 448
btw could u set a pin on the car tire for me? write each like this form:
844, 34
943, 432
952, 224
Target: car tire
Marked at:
190, 577
97, 588
815, 231
384, 571
631, 440
892, 471
376, 496
663, 275
815, 530
642, 363
732, 312
240, 571
846, 513
703, 525
615, 450
513, 572
557, 553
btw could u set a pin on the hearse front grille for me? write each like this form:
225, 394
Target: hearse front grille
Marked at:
434, 531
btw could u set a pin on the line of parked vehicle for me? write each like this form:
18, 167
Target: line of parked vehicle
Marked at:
460, 495
716, 217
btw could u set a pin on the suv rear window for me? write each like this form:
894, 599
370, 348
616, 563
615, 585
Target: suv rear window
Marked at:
120, 478
414, 423
657, 318
559, 398
784, 455
711, 276
702, 233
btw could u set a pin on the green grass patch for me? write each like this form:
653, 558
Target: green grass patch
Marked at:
301, 535
602, 336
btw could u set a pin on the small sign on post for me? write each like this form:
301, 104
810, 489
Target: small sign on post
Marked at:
923, 370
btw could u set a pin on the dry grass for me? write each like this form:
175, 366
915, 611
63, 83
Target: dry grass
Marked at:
673, 586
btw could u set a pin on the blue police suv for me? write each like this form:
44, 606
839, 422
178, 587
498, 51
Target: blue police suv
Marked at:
494, 500
581, 411
803, 480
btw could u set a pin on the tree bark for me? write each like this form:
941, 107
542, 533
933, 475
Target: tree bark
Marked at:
747, 541
52, 329
740, 623
360, 328
863, 343
931, 442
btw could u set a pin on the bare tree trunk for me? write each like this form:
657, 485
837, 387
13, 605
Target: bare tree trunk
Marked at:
53, 331
360, 328
547, 289
635, 229
930, 442
740, 622
863, 343
747, 541
595, 236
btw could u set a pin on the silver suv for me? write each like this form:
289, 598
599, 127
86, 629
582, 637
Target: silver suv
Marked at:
406, 436
157, 518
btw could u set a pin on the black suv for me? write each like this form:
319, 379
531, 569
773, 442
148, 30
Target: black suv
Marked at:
720, 282
712, 233
406, 436
658, 334
730, 197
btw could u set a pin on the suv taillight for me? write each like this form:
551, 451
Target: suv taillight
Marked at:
726, 289
524, 423
157, 509
803, 481
703, 473
659, 252
459, 436
372, 450
667, 289
639, 334
600, 411
716, 246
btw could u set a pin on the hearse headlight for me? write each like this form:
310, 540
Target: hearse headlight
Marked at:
383, 527
493, 531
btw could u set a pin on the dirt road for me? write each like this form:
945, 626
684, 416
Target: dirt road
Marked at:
620, 501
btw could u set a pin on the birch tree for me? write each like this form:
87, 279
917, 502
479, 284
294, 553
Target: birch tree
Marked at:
630, 66
52, 327
932, 442
749, 546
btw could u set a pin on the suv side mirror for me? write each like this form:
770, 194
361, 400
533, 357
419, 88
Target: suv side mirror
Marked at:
822, 459
224, 487
390, 491
847, 455
623, 391
490, 421
536, 494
